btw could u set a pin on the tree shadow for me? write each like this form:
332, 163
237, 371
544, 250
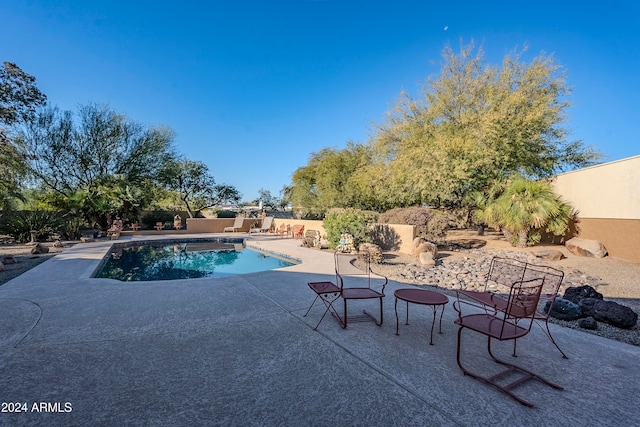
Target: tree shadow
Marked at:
452, 245
385, 237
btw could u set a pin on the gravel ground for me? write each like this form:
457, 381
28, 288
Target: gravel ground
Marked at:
616, 279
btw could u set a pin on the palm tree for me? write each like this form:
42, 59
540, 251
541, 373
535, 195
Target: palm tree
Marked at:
523, 207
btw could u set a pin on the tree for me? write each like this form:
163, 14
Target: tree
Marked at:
19, 98
524, 208
474, 124
268, 201
330, 180
100, 155
477, 123
195, 186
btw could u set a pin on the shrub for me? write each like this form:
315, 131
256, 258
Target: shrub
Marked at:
19, 227
71, 228
150, 218
353, 221
430, 224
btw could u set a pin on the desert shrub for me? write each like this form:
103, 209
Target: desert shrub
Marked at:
19, 227
150, 218
353, 221
430, 224
71, 228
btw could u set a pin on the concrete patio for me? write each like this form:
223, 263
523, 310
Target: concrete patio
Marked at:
238, 351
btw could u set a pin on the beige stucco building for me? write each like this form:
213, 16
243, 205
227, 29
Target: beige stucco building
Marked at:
607, 198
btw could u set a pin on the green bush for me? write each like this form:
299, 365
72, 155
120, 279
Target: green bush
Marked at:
149, 219
430, 224
19, 227
353, 221
71, 228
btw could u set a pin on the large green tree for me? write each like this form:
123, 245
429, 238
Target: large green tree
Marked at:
194, 185
97, 157
473, 124
19, 98
478, 122
330, 179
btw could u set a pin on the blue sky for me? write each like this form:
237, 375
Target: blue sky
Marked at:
251, 88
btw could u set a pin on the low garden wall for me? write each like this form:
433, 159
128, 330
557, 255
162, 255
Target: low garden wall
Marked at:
390, 237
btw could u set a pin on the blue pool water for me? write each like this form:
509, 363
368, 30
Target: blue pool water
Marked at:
165, 260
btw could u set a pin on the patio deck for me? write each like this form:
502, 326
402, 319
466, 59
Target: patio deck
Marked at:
238, 351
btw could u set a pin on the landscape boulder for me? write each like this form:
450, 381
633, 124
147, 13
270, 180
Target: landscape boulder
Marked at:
575, 294
550, 254
615, 314
588, 323
38, 249
9, 259
586, 247
420, 245
57, 244
426, 259
565, 310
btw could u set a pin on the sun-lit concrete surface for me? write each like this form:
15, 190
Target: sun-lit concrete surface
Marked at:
238, 351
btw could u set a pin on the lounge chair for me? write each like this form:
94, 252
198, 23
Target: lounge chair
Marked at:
267, 222
237, 225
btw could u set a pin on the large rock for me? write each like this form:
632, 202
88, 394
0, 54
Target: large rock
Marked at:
575, 294
565, 310
585, 247
9, 259
420, 245
588, 306
588, 323
426, 259
615, 314
39, 248
550, 254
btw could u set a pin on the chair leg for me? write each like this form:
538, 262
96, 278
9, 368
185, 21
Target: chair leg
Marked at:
343, 323
365, 312
548, 333
311, 306
328, 302
492, 380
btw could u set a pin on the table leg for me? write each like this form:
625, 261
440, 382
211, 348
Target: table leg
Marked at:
407, 321
435, 309
441, 314
396, 309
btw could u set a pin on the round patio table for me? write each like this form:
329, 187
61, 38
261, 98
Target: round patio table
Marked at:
422, 297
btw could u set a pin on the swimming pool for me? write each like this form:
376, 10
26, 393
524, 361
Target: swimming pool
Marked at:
185, 259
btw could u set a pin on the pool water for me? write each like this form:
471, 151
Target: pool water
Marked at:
151, 261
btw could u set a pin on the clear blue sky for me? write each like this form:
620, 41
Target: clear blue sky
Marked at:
253, 87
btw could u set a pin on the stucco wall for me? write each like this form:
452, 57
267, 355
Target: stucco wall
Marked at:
607, 191
389, 236
607, 199
619, 236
